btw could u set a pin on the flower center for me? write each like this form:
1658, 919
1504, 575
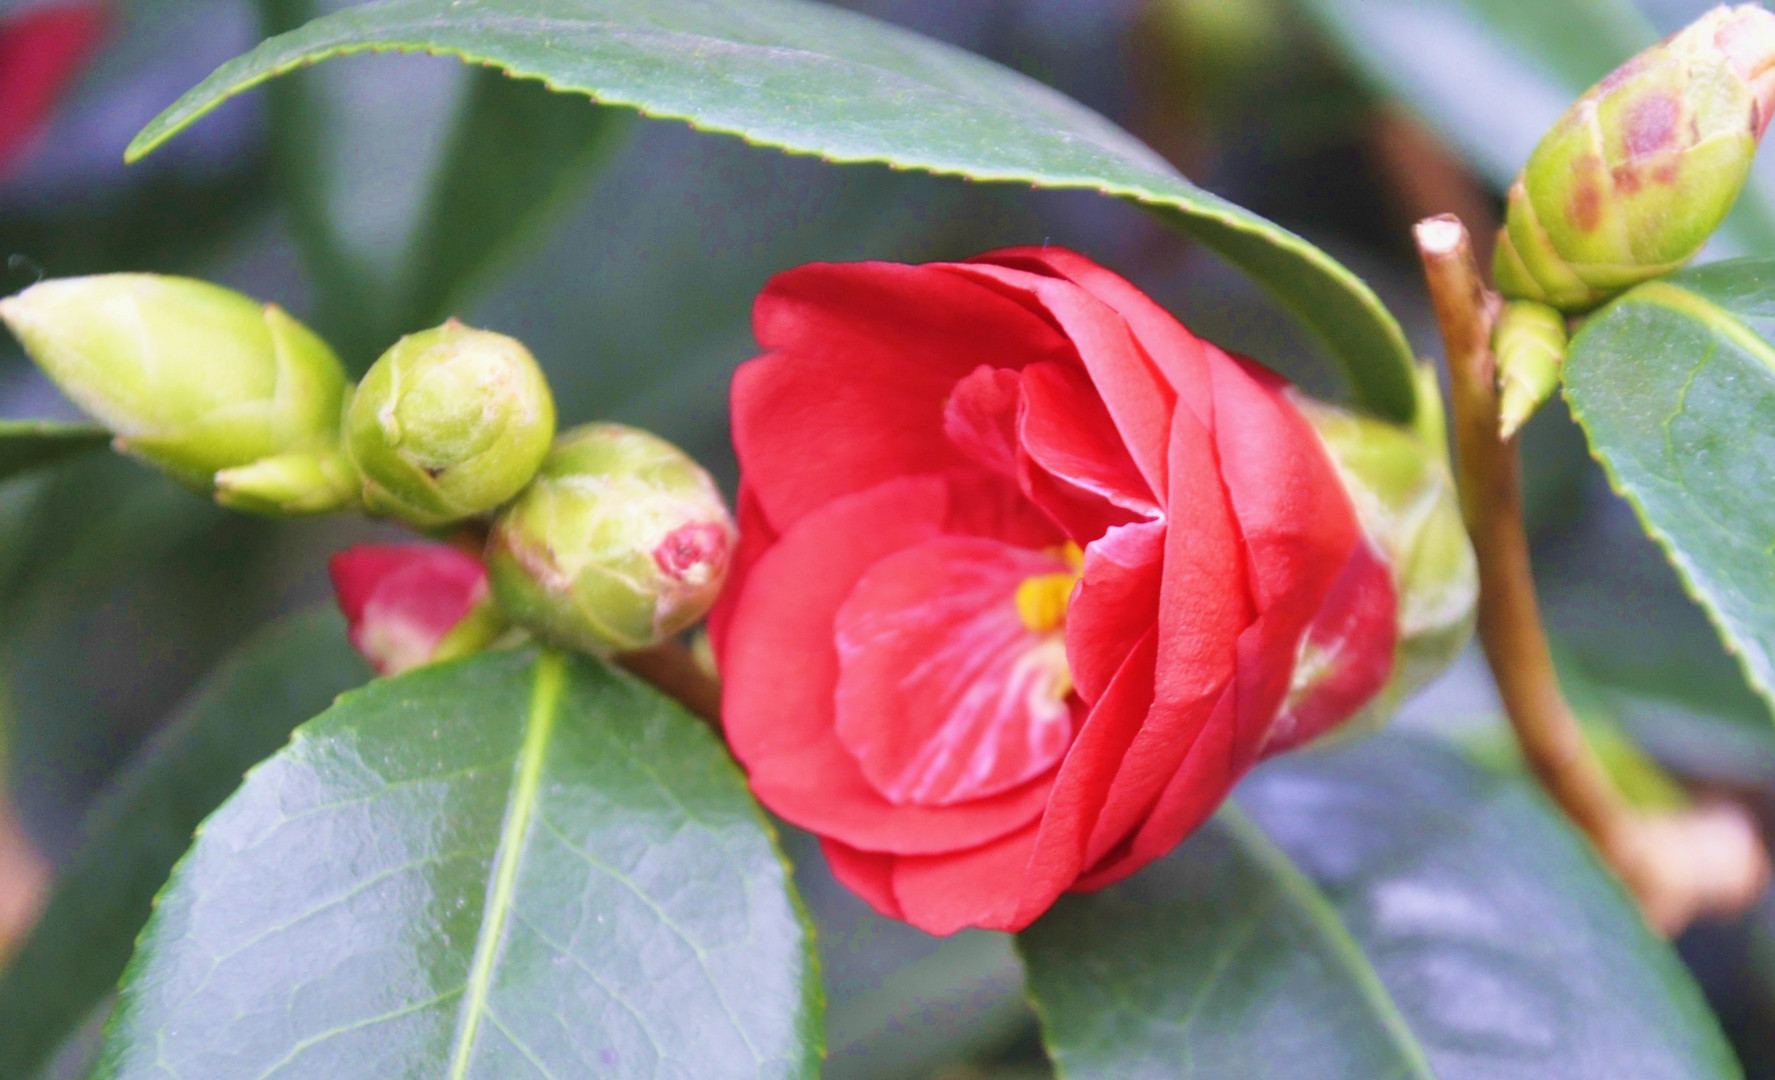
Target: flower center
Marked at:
1041, 606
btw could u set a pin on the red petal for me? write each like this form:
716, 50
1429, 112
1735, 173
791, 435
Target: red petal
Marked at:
1082, 786
868, 874
864, 357
1173, 349
1071, 439
41, 50
781, 672
943, 696
1203, 608
1351, 642
981, 418
1137, 396
1116, 603
979, 887
1193, 793
756, 537
1297, 524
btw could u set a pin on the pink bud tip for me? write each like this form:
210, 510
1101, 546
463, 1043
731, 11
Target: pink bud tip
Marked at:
401, 600
693, 553
41, 50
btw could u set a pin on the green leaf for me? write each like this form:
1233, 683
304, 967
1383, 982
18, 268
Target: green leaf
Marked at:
144, 820
1674, 384
32, 444
808, 78
1492, 76
1381, 910
509, 866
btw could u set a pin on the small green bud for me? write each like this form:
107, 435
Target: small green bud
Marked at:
448, 424
1530, 344
1404, 495
620, 542
190, 376
1640, 171
300, 482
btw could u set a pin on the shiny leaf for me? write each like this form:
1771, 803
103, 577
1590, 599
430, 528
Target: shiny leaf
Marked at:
808, 78
509, 866
32, 444
1384, 909
1674, 384
143, 822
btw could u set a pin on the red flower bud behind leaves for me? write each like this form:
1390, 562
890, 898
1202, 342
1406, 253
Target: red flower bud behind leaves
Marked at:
1028, 577
41, 50
407, 605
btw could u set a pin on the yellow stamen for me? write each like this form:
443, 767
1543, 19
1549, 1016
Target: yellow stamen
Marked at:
1074, 556
1041, 601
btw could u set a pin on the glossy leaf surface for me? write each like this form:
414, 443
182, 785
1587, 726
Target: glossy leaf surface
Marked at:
144, 821
1675, 384
31, 444
812, 79
1383, 910
508, 866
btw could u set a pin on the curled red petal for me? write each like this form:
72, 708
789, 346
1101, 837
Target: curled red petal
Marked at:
862, 359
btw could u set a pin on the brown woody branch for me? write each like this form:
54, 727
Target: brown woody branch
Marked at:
1707, 860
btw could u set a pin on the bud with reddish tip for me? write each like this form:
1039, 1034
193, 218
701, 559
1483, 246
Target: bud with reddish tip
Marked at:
1642, 169
408, 605
620, 542
192, 377
448, 424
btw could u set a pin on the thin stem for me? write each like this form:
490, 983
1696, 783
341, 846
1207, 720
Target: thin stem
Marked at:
676, 671
1705, 861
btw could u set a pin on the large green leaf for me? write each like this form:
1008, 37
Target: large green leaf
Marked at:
1493, 75
1675, 383
510, 866
813, 79
144, 821
1385, 910
31, 444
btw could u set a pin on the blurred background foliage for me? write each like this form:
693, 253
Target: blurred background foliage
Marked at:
375, 195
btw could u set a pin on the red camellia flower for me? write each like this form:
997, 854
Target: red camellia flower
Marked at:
41, 49
1029, 576
407, 605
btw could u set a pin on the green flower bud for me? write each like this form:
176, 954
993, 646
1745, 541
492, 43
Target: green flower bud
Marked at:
299, 482
1530, 343
449, 423
1404, 495
190, 376
620, 542
1641, 170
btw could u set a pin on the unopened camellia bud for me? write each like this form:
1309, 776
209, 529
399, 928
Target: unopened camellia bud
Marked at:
1530, 344
448, 424
192, 377
1404, 495
621, 541
1640, 171
407, 605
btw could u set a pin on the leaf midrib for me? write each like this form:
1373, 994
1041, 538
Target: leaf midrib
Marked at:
545, 699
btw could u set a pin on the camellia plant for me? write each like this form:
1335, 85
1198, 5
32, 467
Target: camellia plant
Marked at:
1029, 613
